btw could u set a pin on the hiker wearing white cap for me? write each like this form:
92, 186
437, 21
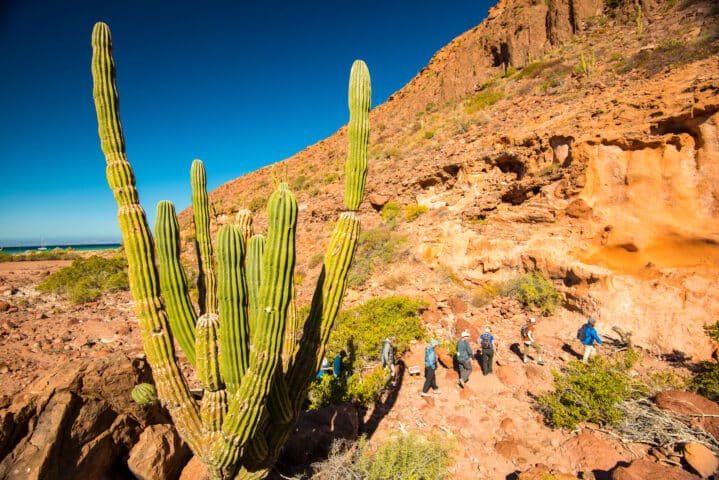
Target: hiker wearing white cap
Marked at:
486, 343
529, 342
430, 366
464, 358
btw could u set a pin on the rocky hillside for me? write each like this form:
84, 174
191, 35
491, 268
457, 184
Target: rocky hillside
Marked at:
570, 138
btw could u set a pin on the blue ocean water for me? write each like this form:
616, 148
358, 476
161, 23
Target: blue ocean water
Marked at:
81, 247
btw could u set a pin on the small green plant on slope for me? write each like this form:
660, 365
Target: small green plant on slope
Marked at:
483, 99
591, 391
412, 212
706, 381
360, 331
87, 279
533, 291
376, 247
408, 457
390, 212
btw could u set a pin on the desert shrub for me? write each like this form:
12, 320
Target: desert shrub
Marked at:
376, 247
390, 212
87, 279
485, 294
483, 99
706, 381
412, 212
533, 291
257, 204
672, 52
428, 134
316, 259
591, 391
407, 457
360, 331
299, 183
363, 328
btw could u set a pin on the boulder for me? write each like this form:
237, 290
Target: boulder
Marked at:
644, 469
701, 459
159, 453
195, 470
588, 451
688, 403
78, 418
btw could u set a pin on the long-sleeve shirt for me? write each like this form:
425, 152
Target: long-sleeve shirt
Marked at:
591, 336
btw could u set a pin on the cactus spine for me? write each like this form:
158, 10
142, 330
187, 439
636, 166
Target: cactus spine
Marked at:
253, 364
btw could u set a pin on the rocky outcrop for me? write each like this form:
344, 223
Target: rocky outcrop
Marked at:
644, 469
78, 421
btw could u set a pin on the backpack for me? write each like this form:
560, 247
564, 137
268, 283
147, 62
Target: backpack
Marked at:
484, 342
523, 332
582, 332
430, 357
462, 348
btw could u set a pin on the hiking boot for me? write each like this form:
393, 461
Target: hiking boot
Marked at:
525, 360
436, 392
424, 394
461, 383
541, 362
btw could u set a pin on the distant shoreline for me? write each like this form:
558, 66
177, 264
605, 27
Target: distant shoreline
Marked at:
15, 250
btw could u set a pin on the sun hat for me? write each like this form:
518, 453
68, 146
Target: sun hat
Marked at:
592, 321
487, 329
532, 320
433, 343
465, 334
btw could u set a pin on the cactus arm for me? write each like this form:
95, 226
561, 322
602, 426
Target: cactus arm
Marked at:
360, 100
253, 268
206, 283
214, 401
173, 282
246, 407
232, 297
144, 284
243, 220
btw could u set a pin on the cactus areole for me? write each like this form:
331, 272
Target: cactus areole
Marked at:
254, 368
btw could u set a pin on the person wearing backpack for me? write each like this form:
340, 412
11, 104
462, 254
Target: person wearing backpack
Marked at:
590, 337
387, 358
464, 359
430, 366
486, 343
527, 333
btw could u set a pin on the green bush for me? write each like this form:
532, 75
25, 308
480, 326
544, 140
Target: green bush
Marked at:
390, 212
87, 279
533, 291
407, 457
483, 99
706, 381
591, 391
376, 247
360, 331
412, 212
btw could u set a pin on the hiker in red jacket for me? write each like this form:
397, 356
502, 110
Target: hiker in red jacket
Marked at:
529, 342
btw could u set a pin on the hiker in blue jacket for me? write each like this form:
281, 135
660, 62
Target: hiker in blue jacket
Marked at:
337, 364
430, 366
590, 336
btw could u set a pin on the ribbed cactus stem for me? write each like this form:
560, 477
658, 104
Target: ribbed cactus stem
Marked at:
243, 220
253, 269
206, 282
139, 249
214, 402
360, 101
246, 407
144, 394
173, 281
232, 296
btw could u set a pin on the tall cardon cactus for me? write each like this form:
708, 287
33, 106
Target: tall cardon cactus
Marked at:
254, 368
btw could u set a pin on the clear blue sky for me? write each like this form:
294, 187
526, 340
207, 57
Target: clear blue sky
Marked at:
236, 84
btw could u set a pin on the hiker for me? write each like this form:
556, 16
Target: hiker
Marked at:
337, 364
464, 359
387, 357
430, 366
486, 343
590, 336
324, 368
529, 342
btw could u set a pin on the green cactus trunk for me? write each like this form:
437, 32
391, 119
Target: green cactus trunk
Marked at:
252, 362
